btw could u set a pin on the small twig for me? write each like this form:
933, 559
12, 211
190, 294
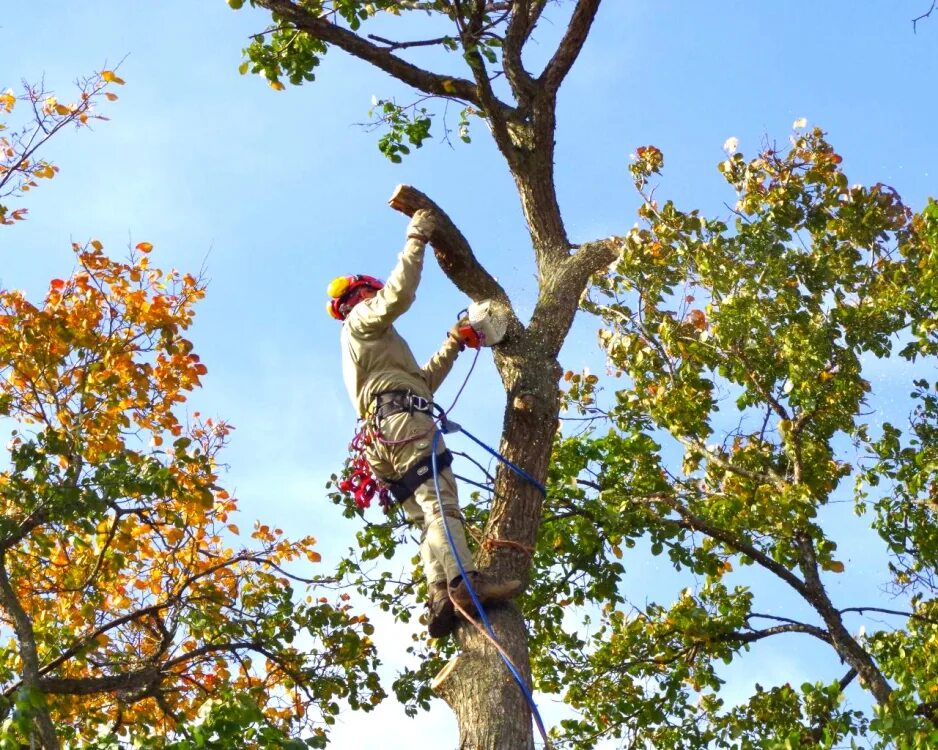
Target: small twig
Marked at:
392, 45
910, 615
924, 15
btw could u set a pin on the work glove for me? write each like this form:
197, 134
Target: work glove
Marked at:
465, 334
421, 226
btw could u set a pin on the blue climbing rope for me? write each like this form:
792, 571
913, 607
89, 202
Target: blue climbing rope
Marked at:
525, 690
516, 469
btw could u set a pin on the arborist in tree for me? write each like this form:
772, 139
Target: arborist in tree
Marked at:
395, 397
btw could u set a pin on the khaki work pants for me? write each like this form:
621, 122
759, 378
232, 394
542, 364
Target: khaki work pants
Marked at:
405, 439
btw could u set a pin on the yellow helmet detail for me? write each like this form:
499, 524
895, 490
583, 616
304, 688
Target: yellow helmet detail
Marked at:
342, 291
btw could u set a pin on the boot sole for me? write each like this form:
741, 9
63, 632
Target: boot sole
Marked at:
492, 594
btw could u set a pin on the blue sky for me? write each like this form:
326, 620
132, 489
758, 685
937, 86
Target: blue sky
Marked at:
276, 193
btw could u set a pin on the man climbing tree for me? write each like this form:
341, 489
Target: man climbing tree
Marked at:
395, 397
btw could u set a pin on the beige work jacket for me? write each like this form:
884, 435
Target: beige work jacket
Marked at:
374, 356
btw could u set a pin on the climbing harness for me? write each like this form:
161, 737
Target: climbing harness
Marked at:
417, 474
389, 403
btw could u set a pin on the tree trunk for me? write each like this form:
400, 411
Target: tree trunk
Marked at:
490, 707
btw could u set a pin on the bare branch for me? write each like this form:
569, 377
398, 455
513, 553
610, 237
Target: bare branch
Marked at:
569, 48
758, 635
392, 45
880, 610
924, 15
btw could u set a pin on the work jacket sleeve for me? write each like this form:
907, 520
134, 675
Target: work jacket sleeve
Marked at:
373, 316
436, 370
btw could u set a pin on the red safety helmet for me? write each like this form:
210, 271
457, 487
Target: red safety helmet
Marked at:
345, 293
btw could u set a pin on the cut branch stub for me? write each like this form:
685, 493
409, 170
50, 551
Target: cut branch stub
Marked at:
452, 250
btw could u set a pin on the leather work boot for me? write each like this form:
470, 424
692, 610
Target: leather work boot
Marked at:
487, 589
441, 618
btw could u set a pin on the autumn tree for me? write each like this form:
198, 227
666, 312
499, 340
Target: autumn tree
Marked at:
129, 609
132, 608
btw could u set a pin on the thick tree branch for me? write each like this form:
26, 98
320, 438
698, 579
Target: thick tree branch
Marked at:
844, 643
469, 35
380, 57
33, 521
142, 678
451, 248
591, 258
136, 680
569, 48
929, 710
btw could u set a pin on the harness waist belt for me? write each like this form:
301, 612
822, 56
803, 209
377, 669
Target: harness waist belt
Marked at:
417, 474
389, 403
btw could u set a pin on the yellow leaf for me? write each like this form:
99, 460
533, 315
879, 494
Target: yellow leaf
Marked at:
61, 109
110, 97
835, 566
277, 86
233, 528
617, 551
448, 86
144, 247
96, 244
108, 75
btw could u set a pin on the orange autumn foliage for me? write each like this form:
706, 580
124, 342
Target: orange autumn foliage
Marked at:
116, 539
